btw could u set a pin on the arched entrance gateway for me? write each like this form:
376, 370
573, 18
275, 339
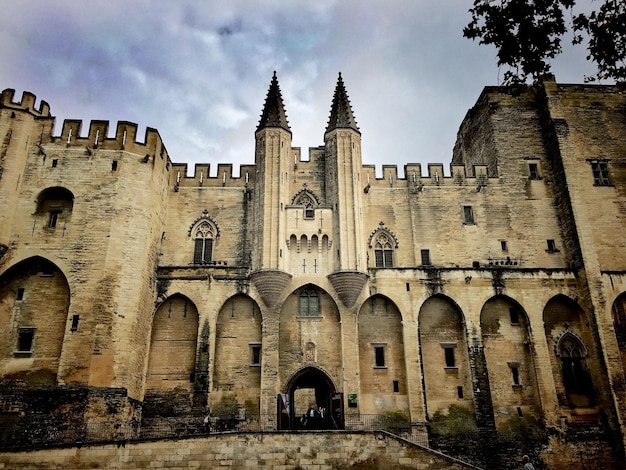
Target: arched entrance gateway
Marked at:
310, 386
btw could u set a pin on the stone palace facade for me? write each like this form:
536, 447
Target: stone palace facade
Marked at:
130, 290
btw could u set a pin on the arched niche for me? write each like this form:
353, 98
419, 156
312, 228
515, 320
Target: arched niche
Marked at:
54, 206
34, 303
618, 312
506, 338
382, 366
569, 340
238, 351
309, 332
172, 357
444, 353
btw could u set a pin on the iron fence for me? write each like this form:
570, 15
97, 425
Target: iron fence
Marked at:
20, 437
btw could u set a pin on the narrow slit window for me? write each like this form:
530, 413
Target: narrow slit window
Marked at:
255, 353
449, 357
53, 219
20, 294
425, 257
379, 357
396, 386
533, 169
459, 391
514, 315
468, 215
75, 320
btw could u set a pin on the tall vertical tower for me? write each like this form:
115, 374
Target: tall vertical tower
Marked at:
21, 126
272, 157
342, 141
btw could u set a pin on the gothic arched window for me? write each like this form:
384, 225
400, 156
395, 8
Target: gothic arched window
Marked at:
204, 232
309, 304
383, 251
203, 243
574, 368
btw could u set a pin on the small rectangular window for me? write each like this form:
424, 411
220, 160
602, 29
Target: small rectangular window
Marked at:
504, 245
255, 353
459, 391
514, 315
425, 257
309, 213
20, 294
396, 386
514, 366
25, 339
75, 319
53, 219
600, 171
379, 356
533, 169
114, 165
515, 375
55, 163
449, 355
468, 215
551, 246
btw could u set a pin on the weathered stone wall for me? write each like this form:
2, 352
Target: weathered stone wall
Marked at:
264, 451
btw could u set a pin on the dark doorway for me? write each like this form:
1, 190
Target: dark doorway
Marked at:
310, 401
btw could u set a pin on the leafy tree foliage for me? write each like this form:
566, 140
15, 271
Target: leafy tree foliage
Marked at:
606, 29
527, 35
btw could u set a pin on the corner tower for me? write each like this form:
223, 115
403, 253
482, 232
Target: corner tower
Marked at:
342, 141
272, 157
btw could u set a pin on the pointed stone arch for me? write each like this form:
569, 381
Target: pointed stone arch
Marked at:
618, 312
444, 354
508, 352
305, 197
173, 347
34, 307
565, 324
382, 365
238, 350
308, 316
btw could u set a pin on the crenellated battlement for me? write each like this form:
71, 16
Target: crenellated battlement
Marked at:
125, 138
27, 103
202, 175
435, 176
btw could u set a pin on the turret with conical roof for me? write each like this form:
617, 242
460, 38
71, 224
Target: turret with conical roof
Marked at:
341, 116
274, 164
274, 111
342, 149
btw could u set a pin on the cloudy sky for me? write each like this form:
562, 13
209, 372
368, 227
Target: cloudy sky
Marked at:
198, 71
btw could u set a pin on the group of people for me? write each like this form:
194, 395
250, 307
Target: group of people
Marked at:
314, 417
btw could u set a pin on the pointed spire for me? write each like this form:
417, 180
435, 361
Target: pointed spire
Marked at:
341, 111
274, 110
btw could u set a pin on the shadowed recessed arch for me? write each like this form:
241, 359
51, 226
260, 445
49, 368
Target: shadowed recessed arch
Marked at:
444, 354
238, 350
506, 336
382, 365
172, 355
34, 305
569, 338
618, 311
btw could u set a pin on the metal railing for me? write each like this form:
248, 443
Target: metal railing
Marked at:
21, 437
